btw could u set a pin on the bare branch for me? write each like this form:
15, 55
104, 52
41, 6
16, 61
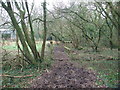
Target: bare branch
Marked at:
5, 23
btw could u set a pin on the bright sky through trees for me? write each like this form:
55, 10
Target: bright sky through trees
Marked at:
50, 3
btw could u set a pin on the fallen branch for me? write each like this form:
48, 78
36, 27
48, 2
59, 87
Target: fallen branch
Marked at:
68, 49
16, 76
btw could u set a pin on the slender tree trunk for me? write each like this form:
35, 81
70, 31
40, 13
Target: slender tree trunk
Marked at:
119, 41
19, 32
17, 40
29, 41
45, 31
34, 49
111, 36
111, 33
22, 39
118, 9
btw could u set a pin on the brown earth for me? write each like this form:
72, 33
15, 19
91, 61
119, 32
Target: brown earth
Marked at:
65, 74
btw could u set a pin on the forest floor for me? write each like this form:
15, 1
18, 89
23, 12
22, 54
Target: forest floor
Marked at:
82, 68
65, 73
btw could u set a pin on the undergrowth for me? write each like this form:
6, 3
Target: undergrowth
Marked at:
107, 71
105, 67
22, 82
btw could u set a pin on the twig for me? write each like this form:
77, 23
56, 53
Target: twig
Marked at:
16, 76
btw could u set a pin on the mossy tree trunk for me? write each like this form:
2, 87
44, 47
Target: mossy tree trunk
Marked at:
118, 9
45, 30
31, 54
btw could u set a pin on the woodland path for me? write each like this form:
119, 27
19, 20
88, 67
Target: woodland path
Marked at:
65, 74
59, 54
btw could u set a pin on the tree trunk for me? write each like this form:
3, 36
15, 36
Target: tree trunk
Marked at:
29, 41
118, 9
33, 45
111, 45
19, 32
22, 39
119, 40
45, 31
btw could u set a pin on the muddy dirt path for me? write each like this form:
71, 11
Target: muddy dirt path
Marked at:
64, 74
59, 54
